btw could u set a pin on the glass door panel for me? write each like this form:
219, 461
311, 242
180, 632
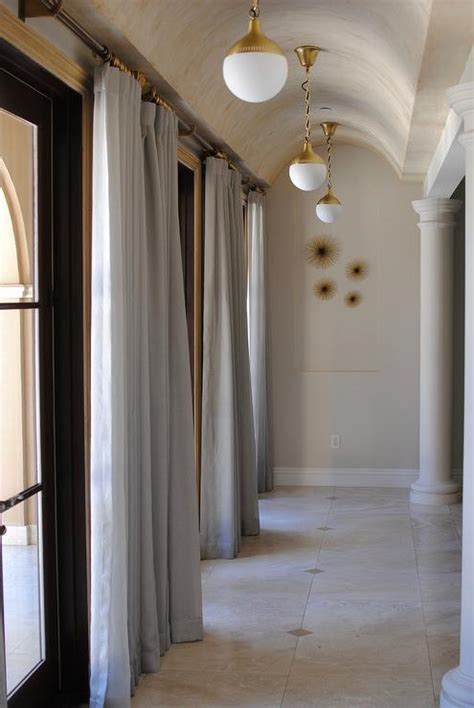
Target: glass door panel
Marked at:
19, 410
23, 607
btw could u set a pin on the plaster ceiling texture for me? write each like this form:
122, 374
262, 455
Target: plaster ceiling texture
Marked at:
383, 70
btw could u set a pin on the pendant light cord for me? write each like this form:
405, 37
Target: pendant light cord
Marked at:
329, 144
307, 104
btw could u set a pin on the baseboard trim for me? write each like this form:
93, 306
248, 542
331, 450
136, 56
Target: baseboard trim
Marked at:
346, 477
20, 535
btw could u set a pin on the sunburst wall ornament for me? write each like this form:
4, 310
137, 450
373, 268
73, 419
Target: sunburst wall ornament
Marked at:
357, 269
322, 251
353, 299
325, 289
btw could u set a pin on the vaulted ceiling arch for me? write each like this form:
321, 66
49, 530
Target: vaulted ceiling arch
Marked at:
373, 72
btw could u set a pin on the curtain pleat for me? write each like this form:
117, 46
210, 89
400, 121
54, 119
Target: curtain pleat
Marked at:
257, 306
110, 668
144, 527
229, 499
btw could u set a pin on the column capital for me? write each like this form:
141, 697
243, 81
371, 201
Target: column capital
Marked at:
461, 100
437, 210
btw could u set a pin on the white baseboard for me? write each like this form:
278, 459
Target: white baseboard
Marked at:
25, 535
347, 477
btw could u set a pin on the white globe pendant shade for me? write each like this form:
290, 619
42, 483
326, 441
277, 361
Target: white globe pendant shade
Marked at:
329, 208
308, 170
255, 76
255, 68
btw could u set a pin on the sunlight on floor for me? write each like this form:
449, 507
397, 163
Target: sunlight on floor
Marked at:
349, 597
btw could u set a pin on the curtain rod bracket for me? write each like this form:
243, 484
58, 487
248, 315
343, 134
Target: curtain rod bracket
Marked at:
36, 8
186, 131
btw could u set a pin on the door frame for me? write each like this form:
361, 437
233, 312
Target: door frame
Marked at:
67, 301
193, 163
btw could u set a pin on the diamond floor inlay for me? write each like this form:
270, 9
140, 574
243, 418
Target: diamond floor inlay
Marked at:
299, 632
325, 528
314, 571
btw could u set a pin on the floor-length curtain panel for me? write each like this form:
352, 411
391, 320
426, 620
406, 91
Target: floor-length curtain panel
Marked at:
257, 307
229, 499
123, 617
174, 495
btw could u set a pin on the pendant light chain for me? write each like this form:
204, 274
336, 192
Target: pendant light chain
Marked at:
329, 144
307, 107
254, 11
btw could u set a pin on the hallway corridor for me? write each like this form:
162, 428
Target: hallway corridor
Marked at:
349, 597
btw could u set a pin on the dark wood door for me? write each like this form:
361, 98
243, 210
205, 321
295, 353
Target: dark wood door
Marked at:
42, 482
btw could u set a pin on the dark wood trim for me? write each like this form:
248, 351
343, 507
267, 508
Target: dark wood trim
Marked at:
69, 386
20, 305
193, 163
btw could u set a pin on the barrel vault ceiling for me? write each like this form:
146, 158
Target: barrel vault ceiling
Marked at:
383, 71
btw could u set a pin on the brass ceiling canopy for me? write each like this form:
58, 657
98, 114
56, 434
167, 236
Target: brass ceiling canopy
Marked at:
329, 128
307, 55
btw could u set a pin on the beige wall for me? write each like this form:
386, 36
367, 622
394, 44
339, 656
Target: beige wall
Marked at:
352, 372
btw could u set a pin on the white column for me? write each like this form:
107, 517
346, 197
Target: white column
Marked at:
437, 224
458, 684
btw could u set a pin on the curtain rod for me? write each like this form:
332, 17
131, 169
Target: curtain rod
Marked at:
55, 8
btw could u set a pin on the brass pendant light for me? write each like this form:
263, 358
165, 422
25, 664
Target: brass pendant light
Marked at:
307, 171
329, 207
255, 68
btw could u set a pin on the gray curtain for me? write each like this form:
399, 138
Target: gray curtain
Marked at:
229, 497
174, 496
257, 307
145, 576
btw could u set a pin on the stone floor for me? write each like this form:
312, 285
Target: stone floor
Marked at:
349, 597
21, 612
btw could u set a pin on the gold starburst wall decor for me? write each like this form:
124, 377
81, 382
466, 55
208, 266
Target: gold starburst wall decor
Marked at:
325, 289
322, 251
353, 299
357, 269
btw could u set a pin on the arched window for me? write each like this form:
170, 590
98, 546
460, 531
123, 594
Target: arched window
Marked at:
14, 258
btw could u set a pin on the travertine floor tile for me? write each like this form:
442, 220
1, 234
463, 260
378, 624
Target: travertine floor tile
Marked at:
209, 688
354, 649
263, 650
396, 686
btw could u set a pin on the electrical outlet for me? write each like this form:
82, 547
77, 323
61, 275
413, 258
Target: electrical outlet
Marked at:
335, 441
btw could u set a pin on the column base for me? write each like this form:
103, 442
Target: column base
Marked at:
435, 493
457, 690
